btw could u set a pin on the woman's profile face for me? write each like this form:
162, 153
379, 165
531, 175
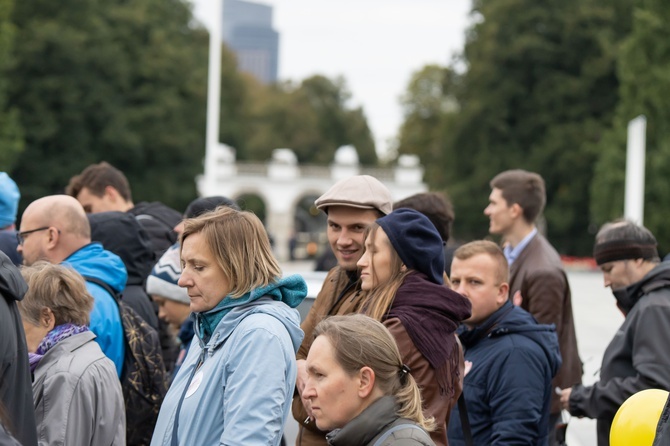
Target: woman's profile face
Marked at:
332, 392
375, 264
201, 275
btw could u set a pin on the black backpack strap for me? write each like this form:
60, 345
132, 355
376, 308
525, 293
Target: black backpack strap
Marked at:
465, 422
115, 294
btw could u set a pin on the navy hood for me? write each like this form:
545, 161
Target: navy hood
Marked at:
510, 319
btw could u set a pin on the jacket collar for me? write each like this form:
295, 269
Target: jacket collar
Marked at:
657, 278
367, 425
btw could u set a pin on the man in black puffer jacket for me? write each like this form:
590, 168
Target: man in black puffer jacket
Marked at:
636, 359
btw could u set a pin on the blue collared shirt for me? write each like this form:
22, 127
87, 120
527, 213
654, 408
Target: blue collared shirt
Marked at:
512, 253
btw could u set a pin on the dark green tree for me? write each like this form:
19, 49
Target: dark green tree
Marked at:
538, 89
118, 81
427, 104
643, 67
312, 118
11, 136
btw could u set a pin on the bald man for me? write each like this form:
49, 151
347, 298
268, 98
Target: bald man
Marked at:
55, 229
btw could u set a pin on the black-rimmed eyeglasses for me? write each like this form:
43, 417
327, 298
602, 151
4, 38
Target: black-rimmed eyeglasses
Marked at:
21, 236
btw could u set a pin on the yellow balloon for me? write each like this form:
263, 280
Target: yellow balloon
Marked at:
635, 422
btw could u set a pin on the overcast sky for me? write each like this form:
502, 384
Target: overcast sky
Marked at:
374, 44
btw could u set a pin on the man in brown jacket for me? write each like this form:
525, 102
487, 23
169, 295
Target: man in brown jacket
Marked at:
352, 205
538, 282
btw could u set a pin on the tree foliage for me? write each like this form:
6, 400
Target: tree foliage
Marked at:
313, 118
538, 90
119, 81
11, 136
644, 69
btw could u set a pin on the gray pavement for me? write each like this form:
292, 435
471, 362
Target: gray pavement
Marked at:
596, 321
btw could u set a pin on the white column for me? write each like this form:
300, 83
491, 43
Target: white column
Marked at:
213, 89
635, 161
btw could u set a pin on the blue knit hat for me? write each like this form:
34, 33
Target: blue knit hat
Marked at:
9, 200
416, 241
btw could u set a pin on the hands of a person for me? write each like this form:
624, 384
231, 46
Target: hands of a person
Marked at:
517, 299
565, 397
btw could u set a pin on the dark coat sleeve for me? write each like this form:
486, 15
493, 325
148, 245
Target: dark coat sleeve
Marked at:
646, 334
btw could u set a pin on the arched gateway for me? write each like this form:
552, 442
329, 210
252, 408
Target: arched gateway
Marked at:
281, 183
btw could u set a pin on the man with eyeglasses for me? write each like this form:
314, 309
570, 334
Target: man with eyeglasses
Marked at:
55, 229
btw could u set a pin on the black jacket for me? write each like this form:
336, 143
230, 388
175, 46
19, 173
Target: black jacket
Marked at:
637, 357
123, 235
16, 393
159, 222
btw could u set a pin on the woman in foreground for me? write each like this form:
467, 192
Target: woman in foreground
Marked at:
359, 389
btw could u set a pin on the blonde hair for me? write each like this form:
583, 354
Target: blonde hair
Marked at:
240, 245
379, 299
58, 288
486, 247
360, 341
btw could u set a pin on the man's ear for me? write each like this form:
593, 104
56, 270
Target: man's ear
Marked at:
54, 237
516, 210
503, 293
366, 383
112, 193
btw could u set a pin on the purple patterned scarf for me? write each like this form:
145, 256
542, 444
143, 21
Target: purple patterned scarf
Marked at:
52, 338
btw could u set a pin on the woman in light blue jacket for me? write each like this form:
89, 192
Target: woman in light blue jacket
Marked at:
236, 383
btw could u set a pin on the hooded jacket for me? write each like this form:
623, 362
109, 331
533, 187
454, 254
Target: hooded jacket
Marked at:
236, 388
15, 382
159, 222
508, 389
94, 261
637, 357
123, 235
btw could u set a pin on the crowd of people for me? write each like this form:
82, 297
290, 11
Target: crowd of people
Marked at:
409, 342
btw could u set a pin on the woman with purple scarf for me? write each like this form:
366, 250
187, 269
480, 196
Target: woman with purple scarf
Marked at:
402, 271
76, 391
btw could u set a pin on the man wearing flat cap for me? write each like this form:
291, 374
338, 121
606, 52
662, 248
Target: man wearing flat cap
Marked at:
637, 357
351, 205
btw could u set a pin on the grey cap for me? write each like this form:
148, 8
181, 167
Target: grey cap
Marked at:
361, 192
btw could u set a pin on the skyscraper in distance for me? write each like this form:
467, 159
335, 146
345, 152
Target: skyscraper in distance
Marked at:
248, 31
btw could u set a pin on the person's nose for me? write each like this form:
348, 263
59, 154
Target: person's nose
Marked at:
363, 261
185, 279
460, 289
309, 391
487, 210
344, 239
606, 280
